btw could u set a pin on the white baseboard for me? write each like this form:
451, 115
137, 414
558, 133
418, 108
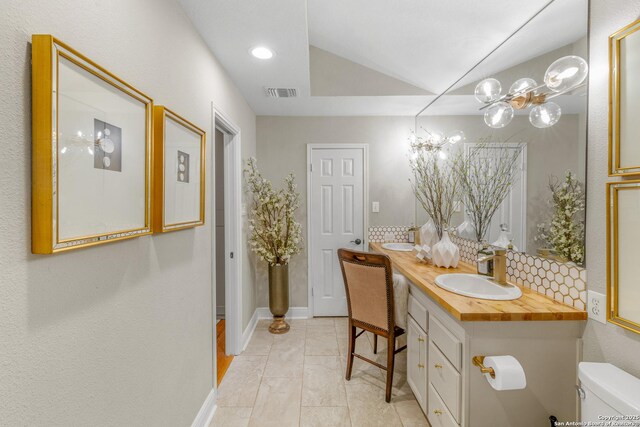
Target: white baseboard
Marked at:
205, 415
293, 313
248, 332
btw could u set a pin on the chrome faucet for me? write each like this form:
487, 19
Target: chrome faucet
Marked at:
499, 258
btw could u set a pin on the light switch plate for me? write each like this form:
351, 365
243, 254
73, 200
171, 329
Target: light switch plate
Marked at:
375, 207
597, 306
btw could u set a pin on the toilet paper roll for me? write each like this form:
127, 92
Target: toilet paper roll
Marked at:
509, 373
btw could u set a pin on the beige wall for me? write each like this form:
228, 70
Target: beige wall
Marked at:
119, 334
282, 147
604, 343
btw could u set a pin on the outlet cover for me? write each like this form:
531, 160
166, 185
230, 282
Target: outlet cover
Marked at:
597, 306
375, 207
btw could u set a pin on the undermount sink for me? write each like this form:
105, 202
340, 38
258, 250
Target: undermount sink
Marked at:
477, 286
400, 247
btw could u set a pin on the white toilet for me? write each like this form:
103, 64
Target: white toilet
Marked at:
607, 391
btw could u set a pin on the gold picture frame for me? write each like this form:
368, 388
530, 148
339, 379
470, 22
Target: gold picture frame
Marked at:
72, 96
178, 178
621, 92
623, 288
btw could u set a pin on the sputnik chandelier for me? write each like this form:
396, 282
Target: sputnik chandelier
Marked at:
562, 76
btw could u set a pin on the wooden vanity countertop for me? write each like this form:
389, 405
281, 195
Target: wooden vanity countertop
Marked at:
530, 306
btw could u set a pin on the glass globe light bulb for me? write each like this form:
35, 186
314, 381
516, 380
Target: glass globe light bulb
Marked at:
545, 115
566, 73
457, 136
488, 90
521, 86
498, 115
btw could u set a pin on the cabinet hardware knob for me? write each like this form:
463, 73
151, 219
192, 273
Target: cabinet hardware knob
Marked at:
420, 339
437, 365
437, 411
420, 365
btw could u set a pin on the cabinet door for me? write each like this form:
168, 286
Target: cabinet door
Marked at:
417, 362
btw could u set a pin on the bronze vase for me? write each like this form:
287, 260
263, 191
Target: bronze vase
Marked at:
279, 297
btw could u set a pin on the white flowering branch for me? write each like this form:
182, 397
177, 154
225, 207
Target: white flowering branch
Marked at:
275, 234
486, 174
435, 186
565, 233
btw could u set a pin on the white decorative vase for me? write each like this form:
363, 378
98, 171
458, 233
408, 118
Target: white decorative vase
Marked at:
466, 230
428, 234
445, 253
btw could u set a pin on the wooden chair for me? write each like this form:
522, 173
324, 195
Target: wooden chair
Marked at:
369, 287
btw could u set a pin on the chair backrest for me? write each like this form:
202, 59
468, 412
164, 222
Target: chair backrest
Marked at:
368, 284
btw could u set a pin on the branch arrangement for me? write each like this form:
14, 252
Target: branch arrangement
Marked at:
275, 234
435, 186
486, 174
565, 233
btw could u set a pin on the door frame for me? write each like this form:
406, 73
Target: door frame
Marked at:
365, 205
232, 233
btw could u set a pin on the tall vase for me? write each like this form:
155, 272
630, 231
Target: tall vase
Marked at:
445, 253
279, 297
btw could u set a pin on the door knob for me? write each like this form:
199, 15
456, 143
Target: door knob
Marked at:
357, 241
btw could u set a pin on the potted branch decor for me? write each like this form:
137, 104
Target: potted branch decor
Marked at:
275, 237
437, 189
486, 174
565, 232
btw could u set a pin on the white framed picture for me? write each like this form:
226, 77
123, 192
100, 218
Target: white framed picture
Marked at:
91, 152
179, 172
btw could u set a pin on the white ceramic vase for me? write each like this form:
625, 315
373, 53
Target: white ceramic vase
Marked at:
466, 230
445, 253
428, 234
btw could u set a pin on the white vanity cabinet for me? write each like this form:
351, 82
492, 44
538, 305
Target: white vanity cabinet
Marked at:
434, 362
453, 393
417, 351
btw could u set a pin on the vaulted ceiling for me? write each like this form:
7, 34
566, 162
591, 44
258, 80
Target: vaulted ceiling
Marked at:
376, 57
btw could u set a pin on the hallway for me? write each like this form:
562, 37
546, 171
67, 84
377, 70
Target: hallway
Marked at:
298, 379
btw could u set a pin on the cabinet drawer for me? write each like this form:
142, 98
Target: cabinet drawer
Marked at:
438, 414
418, 312
445, 380
450, 346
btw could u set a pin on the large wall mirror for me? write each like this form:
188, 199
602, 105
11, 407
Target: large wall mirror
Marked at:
543, 144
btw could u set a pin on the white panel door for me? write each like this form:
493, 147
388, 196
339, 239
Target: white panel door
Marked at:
336, 221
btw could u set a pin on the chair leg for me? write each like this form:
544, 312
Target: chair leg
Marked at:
352, 349
375, 344
391, 350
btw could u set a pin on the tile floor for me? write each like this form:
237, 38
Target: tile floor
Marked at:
297, 379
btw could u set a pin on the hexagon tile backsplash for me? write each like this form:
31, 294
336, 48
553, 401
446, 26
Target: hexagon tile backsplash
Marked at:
563, 282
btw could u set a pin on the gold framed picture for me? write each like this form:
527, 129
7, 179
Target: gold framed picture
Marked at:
91, 152
623, 269
179, 172
624, 101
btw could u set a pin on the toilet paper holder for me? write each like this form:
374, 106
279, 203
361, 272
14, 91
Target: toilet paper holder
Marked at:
479, 362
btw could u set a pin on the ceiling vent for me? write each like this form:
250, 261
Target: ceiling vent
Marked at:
279, 92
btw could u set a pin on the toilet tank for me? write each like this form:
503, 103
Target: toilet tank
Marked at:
608, 394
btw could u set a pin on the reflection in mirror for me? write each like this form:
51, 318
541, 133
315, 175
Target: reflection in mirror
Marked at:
513, 130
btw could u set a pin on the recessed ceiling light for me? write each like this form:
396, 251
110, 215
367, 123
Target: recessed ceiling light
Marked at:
261, 52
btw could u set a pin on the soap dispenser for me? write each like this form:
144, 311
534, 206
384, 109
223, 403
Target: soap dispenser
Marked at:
484, 267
